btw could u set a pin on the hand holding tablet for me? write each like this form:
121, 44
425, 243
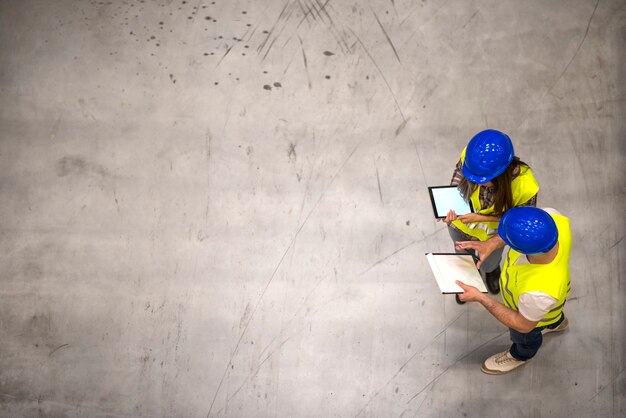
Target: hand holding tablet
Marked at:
447, 198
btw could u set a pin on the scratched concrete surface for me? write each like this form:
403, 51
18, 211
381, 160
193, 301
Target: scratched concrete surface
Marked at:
219, 208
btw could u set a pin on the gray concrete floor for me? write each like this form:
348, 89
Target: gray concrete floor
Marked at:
219, 208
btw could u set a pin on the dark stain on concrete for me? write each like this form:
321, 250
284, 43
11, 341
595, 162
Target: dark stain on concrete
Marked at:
70, 165
291, 151
77, 165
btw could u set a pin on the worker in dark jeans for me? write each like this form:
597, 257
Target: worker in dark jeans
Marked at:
534, 283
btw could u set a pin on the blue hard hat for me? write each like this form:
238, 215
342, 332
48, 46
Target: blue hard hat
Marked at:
488, 154
528, 230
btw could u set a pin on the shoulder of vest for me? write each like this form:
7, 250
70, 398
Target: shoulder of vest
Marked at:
525, 174
525, 185
561, 218
562, 224
565, 232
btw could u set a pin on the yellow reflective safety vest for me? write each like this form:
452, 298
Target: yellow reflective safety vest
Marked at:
552, 279
523, 187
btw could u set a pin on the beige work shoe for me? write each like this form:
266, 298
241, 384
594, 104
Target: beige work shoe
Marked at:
562, 327
501, 363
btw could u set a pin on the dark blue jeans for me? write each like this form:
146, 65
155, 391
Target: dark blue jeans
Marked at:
526, 345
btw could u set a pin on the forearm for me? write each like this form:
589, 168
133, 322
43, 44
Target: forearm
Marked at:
488, 218
506, 316
484, 248
496, 242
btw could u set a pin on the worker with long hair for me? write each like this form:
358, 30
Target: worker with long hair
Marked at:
490, 176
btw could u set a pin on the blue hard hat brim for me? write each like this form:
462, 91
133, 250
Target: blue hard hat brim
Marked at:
545, 249
481, 179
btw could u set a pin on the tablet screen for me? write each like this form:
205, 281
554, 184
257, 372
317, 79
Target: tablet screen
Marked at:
444, 198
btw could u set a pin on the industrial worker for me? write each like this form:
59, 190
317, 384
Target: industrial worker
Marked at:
534, 284
490, 176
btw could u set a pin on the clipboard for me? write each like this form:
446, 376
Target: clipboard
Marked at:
448, 267
446, 198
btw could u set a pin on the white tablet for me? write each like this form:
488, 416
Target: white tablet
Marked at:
445, 198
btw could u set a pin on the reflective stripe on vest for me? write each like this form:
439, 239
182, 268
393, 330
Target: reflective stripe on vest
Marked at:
552, 278
523, 188
507, 296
